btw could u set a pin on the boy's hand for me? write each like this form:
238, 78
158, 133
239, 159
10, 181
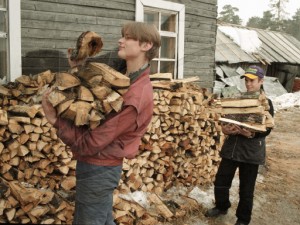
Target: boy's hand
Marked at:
230, 129
245, 132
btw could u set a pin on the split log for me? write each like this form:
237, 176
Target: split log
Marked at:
4, 91
65, 81
24, 110
3, 117
161, 76
85, 94
110, 75
255, 127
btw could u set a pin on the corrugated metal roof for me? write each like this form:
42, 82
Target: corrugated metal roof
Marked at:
276, 47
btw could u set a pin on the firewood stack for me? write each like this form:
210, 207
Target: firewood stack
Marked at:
249, 110
181, 146
37, 171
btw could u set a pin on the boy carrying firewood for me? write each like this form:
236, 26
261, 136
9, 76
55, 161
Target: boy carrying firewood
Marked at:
100, 152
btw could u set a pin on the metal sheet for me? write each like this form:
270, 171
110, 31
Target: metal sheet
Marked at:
276, 47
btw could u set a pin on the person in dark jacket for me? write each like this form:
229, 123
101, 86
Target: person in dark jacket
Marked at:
245, 150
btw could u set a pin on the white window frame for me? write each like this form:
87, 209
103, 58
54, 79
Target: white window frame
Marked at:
171, 6
14, 57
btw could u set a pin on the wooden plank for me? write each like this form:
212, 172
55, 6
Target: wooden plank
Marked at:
254, 127
240, 102
236, 110
117, 12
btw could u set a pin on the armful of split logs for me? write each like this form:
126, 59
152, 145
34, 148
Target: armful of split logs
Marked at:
91, 91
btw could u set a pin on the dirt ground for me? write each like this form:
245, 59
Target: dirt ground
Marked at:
277, 194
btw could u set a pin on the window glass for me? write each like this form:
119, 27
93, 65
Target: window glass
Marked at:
167, 47
167, 25
167, 67
153, 67
168, 22
152, 18
2, 3
2, 22
3, 57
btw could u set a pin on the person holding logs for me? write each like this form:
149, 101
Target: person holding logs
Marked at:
100, 151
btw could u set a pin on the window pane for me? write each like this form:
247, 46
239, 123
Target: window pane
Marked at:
168, 47
2, 22
152, 18
167, 67
3, 58
153, 67
2, 3
168, 22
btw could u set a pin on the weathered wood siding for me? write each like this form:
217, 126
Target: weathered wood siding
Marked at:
200, 39
49, 27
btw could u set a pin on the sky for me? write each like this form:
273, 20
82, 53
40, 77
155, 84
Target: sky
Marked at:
248, 9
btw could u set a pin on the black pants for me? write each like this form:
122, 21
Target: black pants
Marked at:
247, 174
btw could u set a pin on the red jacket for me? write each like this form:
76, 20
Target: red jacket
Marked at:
120, 135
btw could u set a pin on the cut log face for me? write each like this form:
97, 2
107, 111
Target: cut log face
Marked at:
66, 80
88, 44
23, 110
87, 74
56, 97
3, 117
4, 91
82, 113
45, 77
63, 106
85, 94
115, 100
101, 92
110, 75
24, 80
95, 81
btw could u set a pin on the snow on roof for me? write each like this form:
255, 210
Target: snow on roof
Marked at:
247, 39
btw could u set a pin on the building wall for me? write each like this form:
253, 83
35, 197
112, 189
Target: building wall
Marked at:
49, 27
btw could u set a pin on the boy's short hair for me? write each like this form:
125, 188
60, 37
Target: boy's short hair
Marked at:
144, 32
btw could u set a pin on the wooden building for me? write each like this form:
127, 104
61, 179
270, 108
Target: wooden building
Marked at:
38, 33
278, 53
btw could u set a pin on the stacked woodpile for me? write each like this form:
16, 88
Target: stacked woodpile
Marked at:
249, 110
37, 171
181, 146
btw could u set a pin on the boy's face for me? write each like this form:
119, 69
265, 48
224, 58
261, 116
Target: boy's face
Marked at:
253, 85
129, 48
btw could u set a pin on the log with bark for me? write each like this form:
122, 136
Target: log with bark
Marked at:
248, 110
